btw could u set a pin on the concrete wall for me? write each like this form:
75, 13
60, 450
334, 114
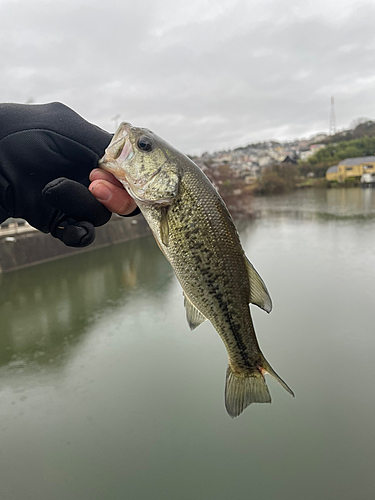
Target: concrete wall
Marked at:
27, 249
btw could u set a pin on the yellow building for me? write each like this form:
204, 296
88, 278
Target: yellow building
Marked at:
351, 168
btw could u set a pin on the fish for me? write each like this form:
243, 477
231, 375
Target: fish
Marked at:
195, 231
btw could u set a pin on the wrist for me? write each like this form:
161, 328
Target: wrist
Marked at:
3, 215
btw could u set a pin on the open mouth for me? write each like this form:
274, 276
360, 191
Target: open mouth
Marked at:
126, 152
119, 150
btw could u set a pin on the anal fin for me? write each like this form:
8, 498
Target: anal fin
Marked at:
193, 315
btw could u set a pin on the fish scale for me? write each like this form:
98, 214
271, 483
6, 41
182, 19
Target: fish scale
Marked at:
195, 231
219, 287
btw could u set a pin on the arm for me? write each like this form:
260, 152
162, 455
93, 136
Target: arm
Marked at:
46, 155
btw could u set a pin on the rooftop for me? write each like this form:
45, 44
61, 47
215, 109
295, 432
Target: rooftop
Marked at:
358, 160
332, 170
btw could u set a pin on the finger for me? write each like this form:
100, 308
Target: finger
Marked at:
73, 233
76, 201
116, 199
98, 174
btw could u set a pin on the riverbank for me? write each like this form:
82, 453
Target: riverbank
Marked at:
30, 248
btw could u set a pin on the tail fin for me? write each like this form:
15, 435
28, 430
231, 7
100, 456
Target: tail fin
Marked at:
241, 391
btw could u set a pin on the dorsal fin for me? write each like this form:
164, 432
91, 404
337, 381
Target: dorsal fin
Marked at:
193, 315
258, 291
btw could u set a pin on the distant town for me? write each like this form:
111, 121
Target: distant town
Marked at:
248, 161
342, 159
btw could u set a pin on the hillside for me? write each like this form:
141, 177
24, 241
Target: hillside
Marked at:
335, 152
365, 128
272, 167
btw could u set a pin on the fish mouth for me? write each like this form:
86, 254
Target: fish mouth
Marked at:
119, 150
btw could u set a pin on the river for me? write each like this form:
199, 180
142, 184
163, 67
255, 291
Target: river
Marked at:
105, 393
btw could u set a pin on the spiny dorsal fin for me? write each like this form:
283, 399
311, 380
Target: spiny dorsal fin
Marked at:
258, 291
193, 316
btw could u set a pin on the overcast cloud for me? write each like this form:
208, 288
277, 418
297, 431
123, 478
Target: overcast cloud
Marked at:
204, 74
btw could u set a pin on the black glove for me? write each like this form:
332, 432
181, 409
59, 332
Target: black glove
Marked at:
47, 152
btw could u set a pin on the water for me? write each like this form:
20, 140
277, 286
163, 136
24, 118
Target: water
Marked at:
105, 392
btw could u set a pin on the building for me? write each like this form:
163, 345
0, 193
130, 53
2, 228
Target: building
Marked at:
331, 174
290, 160
12, 226
351, 168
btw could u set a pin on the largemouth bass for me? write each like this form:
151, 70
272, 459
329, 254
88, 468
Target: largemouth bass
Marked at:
195, 231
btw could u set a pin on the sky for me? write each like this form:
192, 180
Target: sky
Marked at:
205, 75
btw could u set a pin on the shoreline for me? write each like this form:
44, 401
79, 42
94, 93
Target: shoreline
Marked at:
31, 248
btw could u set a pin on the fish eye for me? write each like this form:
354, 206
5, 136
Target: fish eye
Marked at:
145, 143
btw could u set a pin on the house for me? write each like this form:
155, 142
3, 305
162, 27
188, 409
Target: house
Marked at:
331, 174
290, 159
351, 168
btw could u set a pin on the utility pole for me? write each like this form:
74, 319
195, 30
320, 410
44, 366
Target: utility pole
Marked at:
115, 119
332, 118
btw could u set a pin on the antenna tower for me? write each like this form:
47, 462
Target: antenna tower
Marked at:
115, 119
332, 118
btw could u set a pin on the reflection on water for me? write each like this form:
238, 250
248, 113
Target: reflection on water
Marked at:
336, 204
44, 310
106, 394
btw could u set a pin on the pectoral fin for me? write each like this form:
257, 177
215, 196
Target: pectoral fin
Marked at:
193, 316
164, 226
258, 291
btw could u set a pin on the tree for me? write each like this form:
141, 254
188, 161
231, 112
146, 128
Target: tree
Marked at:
333, 153
278, 178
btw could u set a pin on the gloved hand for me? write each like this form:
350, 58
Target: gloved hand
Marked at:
47, 152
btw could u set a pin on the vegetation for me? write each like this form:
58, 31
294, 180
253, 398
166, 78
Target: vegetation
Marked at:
360, 128
333, 153
278, 178
318, 170
319, 183
233, 190
283, 177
